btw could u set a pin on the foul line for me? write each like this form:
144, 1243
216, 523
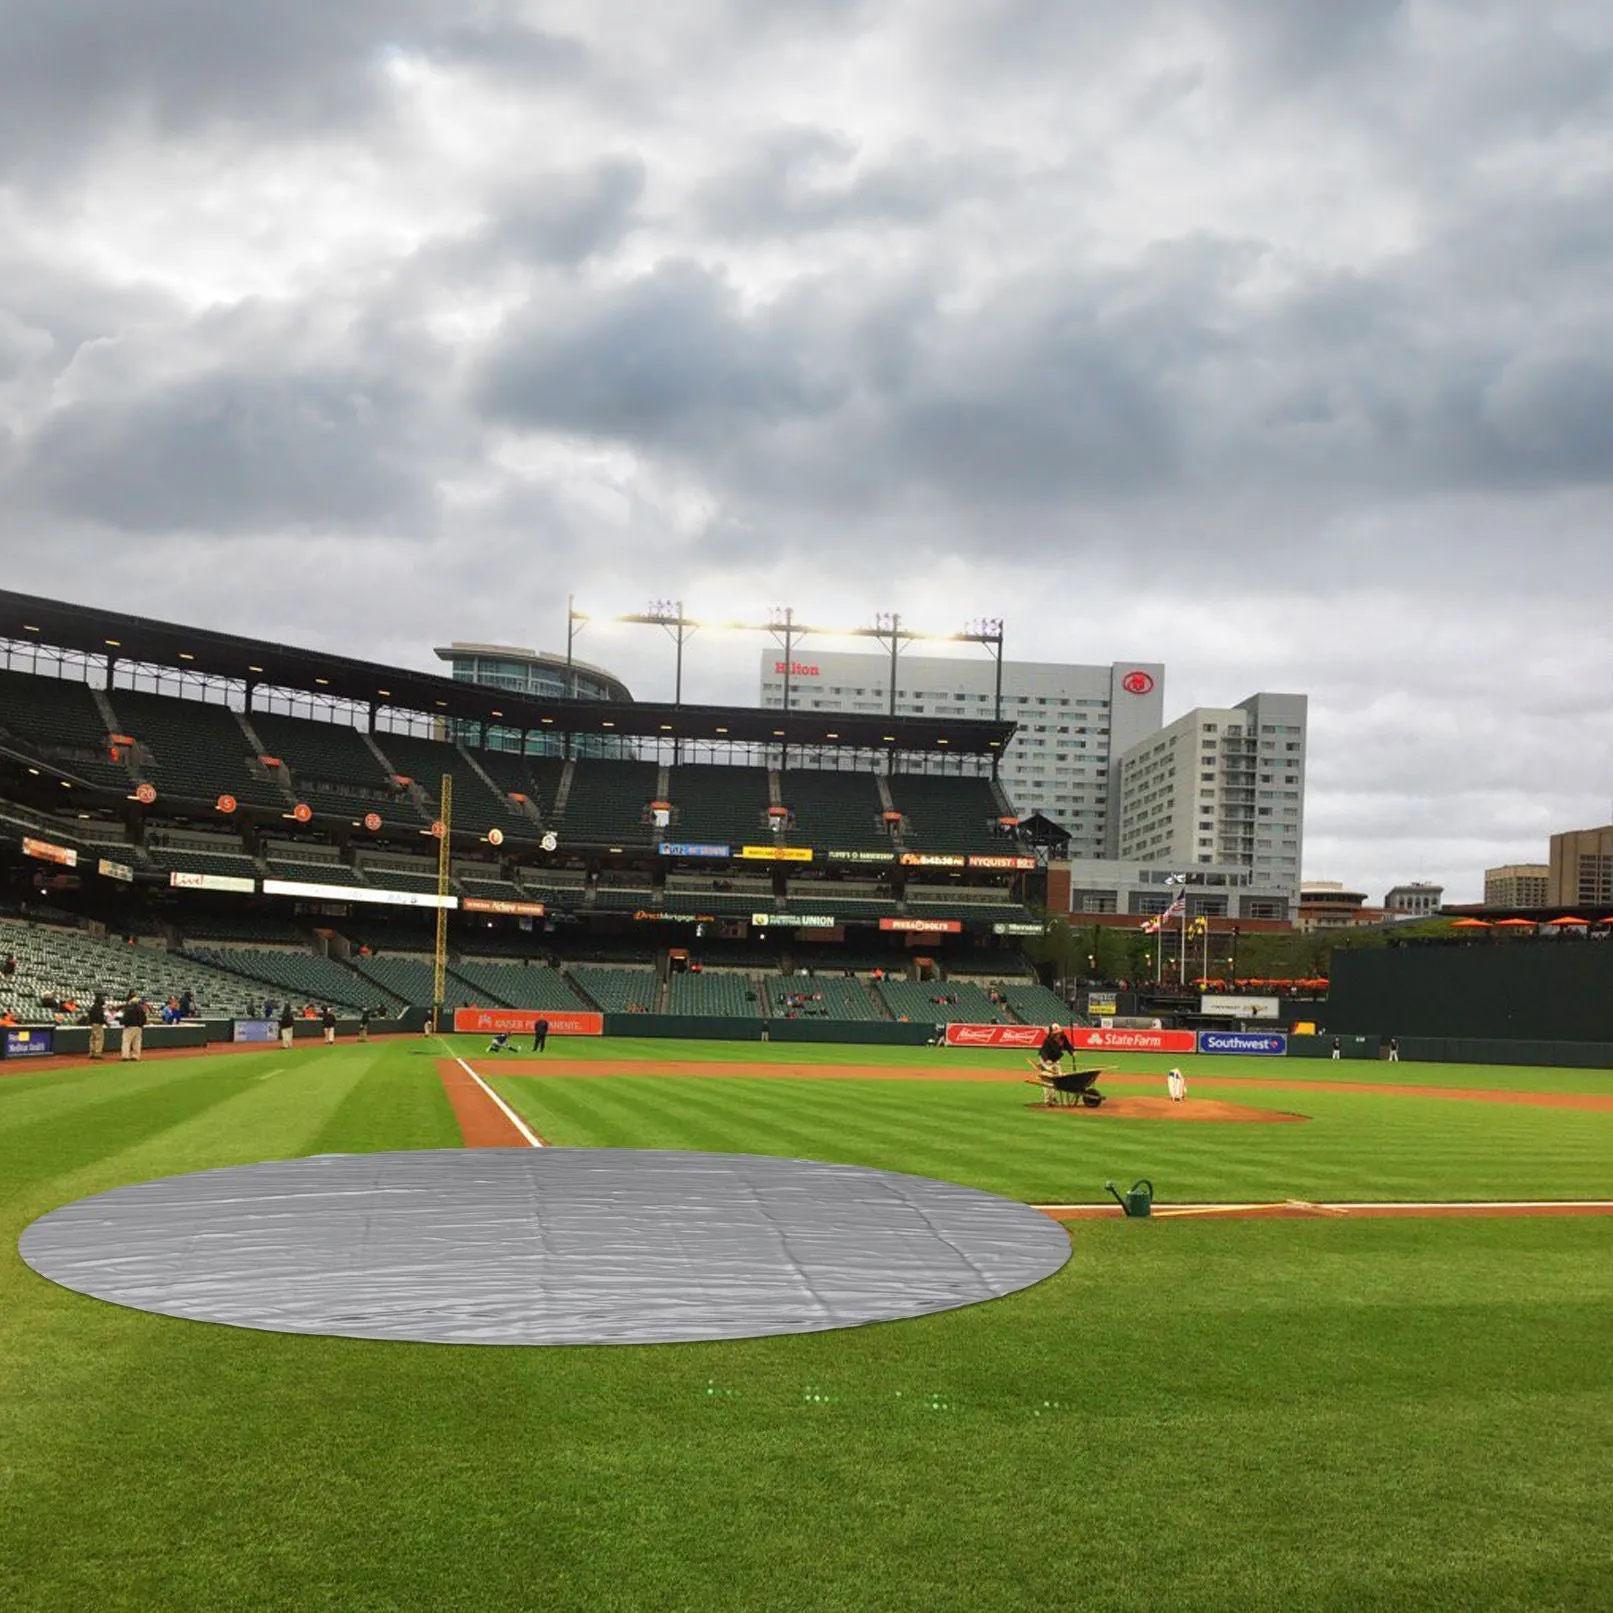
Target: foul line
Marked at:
533, 1139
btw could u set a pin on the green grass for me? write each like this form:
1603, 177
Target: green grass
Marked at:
1201, 1415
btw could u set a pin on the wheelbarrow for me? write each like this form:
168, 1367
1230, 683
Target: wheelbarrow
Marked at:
1137, 1200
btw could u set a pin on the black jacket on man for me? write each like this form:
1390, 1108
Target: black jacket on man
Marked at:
134, 1015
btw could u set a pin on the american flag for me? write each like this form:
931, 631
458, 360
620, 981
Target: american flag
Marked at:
1176, 909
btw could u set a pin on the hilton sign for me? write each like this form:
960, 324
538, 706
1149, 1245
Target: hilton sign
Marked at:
796, 669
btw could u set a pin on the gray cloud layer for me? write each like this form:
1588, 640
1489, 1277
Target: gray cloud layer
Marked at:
1271, 339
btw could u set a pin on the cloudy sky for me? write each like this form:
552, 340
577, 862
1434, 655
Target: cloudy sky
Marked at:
1269, 338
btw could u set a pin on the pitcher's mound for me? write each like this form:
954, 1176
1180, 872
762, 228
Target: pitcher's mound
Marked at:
1164, 1109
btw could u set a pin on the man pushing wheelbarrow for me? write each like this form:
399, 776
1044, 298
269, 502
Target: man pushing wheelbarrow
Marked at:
1060, 1090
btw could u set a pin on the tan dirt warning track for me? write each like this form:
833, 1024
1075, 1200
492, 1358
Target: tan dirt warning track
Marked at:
877, 1072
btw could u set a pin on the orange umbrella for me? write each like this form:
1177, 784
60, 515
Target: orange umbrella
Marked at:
1516, 924
1471, 924
1581, 922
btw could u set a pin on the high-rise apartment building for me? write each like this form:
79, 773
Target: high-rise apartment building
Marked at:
1219, 786
1074, 721
1581, 871
1517, 885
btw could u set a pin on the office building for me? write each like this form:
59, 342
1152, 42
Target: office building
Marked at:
1096, 887
1221, 787
535, 672
1074, 721
1324, 904
1417, 901
1521, 886
1580, 873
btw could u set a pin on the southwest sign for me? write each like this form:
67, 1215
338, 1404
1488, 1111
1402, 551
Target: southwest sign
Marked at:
1267, 1043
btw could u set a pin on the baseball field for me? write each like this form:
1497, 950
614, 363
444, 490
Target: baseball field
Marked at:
1302, 1406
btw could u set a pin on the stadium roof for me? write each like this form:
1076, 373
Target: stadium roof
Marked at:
100, 633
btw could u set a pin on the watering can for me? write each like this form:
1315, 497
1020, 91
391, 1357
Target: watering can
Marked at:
1138, 1199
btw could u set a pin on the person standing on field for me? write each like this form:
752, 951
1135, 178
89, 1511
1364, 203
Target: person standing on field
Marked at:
287, 1021
95, 1018
540, 1035
134, 1029
1337, 1051
1394, 1049
328, 1020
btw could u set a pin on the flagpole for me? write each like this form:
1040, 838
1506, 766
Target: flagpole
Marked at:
1181, 978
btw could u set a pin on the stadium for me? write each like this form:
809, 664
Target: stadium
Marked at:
790, 1284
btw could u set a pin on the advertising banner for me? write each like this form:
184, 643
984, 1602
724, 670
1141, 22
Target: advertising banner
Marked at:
111, 870
794, 921
1091, 1040
931, 859
353, 893
493, 904
861, 856
1002, 862
776, 854
562, 1022
924, 926
27, 1044
1271, 1044
648, 915
994, 1035
1241, 1007
181, 880
45, 851
1103, 1004
254, 1030
1016, 929
678, 848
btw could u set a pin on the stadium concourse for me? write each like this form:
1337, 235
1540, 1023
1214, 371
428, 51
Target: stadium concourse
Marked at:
227, 822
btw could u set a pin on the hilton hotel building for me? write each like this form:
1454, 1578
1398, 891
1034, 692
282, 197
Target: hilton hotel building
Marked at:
1075, 722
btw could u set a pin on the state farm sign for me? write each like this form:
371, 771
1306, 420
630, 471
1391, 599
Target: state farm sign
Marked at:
1104, 1041
994, 1035
796, 669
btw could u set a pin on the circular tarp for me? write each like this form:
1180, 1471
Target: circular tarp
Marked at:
545, 1246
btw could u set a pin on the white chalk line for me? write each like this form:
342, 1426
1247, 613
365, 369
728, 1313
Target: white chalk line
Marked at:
532, 1138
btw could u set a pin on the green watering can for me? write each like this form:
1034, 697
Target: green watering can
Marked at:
1138, 1199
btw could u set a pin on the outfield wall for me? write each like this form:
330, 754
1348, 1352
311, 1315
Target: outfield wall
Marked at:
1548, 992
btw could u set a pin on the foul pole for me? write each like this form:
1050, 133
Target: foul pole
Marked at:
442, 828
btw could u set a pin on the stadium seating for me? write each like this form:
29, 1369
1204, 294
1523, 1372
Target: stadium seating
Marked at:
949, 814
835, 809
719, 804
313, 873
616, 991
333, 769
1036, 1005
1001, 912
536, 777
186, 860
476, 808
71, 963
397, 877
822, 997
915, 1001
489, 889
193, 751
410, 980
608, 802
58, 720
615, 899
516, 985
302, 976
728, 995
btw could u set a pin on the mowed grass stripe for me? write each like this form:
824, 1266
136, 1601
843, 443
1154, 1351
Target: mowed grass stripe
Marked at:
1205, 1067
993, 1136
396, 1101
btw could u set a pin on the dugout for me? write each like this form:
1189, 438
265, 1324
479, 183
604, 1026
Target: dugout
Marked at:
1516, 991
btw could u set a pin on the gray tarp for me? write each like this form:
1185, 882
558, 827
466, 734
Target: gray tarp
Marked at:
545, 1246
